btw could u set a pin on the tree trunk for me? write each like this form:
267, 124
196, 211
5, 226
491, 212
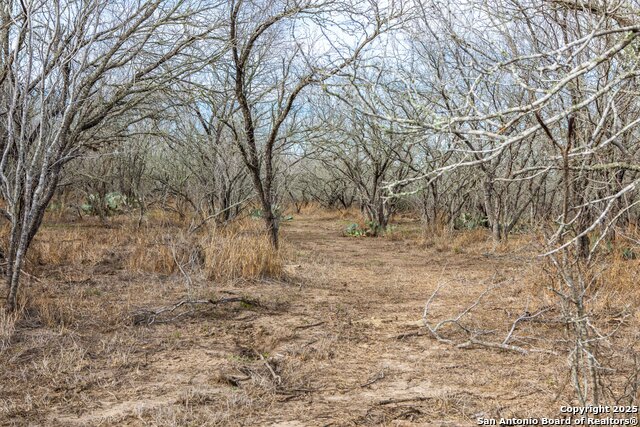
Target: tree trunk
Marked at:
15, 263
491, 207
271, 222
583, 245
13, 283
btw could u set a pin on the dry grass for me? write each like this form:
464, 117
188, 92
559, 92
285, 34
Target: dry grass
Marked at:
613, 274
53, 312
7, 328
316, 211
86, 243
150, 254
616, 276
438, 239
622, 265
477, 240
69, 247
307, 353
469, 240
619, 281
241, 251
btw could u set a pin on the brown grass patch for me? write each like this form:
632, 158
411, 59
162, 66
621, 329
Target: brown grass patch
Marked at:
238, 250
241, 251
616, 280
51, 311
613, 275
317, 211
622, 272
78, 244
469, 239
152, 256
68, 247
437, 238
7, 328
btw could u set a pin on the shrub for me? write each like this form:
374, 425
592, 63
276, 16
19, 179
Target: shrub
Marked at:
277, 211
370, 229
470, 222
112, 204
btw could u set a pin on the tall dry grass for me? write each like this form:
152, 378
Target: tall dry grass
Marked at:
7, 328
317, 211
151, 254
52, 311
443, 239
86, 243
618, 276
241, 251
612, 276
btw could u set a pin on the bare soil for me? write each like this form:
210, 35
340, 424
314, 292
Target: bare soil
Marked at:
339, 343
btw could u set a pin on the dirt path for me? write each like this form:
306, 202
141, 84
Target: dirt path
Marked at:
373, 290
323, 350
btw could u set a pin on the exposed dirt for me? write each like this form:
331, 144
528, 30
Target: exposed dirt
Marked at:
319, 349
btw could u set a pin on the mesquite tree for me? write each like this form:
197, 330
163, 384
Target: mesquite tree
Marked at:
278, 48
75, 75
552, 81
365, 151
527, 95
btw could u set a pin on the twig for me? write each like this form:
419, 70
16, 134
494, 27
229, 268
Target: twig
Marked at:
508, 347
375, 379
407, 399
524, 317
275, 376
309, 326
408, 334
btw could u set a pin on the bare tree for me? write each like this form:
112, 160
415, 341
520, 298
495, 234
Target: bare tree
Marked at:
544, 92
213, 178
68, 69
278, 48
366, 152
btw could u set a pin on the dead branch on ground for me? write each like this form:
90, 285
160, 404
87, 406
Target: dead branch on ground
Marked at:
149, 317
473, 334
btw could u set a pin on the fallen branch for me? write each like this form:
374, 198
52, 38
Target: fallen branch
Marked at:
150, 316
407, 399
408, 334
378, 377
275, 376
309, 326
499, 346
472, 339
